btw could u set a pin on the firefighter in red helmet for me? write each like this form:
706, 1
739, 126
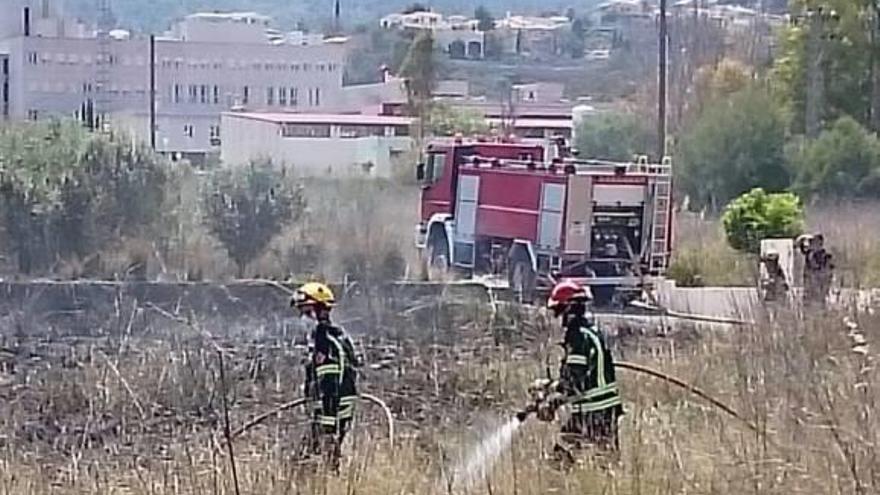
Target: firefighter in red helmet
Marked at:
587, 381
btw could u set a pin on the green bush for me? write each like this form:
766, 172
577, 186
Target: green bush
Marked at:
448, 121
758, 215
844, 161
66, 194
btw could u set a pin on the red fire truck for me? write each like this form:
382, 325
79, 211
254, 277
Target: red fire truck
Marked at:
535, 214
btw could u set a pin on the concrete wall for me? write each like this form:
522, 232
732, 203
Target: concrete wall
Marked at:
741, 302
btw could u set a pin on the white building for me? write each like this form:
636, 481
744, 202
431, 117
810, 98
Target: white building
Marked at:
206, 64
318, 145
459, 36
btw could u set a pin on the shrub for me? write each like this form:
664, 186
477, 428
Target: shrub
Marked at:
758, 215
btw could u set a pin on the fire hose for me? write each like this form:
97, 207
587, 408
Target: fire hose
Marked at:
541, 391
257, 420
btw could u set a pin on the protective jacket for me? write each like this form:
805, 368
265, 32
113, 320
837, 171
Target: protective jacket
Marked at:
586, 375
332, 367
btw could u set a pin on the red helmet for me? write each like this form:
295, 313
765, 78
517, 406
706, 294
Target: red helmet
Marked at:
565, 292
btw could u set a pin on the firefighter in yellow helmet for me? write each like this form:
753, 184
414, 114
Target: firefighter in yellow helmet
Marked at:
331, 378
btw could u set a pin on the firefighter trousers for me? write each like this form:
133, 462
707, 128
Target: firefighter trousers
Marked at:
598, 429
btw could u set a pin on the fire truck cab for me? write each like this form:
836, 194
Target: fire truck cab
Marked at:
534, 214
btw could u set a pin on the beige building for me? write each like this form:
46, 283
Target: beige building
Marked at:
206, 64
318, 144
456, 35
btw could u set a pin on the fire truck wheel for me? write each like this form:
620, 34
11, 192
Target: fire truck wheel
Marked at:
522, 279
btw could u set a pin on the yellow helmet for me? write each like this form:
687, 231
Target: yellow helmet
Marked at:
311, 293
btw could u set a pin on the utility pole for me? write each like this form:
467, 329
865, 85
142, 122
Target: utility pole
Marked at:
103, 65
153, 92
875, 66
661, 83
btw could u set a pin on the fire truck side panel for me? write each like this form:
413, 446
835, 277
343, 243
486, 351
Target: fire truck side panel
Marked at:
579, 211
510, 203
551, 218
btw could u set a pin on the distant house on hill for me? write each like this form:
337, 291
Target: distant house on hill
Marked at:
458, 36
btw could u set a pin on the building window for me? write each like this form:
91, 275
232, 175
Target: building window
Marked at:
203, 93
176, 98
267, 66
294, 67
294, 97
317, 97
282, 96
193, 93
216, 94
401, 130
32, 58
305, 130
306, 67
188, 130
270, 96
245, 95
358, 131
32, 114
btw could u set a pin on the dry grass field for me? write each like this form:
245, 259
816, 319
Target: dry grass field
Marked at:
142, 410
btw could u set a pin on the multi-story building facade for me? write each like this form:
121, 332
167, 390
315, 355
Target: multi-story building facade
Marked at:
206, 65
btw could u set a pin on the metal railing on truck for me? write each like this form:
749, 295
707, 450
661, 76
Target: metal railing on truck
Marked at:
570, 165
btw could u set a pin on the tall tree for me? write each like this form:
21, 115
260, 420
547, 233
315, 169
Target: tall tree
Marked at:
416, 7
246, 208
575, 42
824, 68
420, 72
614, 137
485, 20
737, 143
